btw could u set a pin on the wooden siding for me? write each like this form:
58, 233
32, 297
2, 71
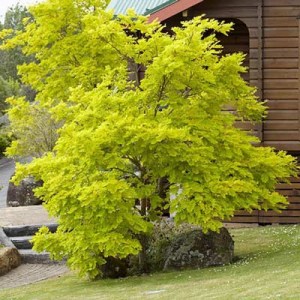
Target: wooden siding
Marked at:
281, 69
291, 215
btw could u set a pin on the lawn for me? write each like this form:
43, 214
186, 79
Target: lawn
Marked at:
268, 267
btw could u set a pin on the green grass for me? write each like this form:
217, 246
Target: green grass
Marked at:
268, 268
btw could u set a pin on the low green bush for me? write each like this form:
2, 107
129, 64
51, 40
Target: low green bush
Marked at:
5, 141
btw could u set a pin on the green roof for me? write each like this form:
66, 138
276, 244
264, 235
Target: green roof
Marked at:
141, 7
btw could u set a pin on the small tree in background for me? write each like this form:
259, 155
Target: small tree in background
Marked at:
10, 83
32, 128
127, 145
9, 60
13, 22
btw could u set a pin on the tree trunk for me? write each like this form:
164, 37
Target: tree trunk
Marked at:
144, 268
143, 262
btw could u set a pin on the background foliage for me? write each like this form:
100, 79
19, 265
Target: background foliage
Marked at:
10, 82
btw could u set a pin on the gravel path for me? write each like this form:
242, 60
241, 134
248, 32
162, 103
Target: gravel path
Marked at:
7, 168
25, 215
29, 273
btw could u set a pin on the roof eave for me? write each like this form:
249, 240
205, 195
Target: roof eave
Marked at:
159, 7
172, 9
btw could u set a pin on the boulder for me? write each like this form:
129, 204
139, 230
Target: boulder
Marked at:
176, 248
22, 195
9, 259
195, 249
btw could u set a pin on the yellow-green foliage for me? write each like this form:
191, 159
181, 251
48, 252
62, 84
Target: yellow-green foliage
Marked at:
121, 137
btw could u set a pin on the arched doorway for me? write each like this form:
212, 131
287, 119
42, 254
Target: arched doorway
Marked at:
238, 40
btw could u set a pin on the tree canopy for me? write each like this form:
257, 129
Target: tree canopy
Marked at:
143, 122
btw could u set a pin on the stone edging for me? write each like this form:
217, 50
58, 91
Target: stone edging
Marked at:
4, 240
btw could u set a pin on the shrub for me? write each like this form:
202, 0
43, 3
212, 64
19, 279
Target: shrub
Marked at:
5, 142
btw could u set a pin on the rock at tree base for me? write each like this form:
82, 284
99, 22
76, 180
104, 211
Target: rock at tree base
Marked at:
195, 249
22, 195
172, 248
9, 259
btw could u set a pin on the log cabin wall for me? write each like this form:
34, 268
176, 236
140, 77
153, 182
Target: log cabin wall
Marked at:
281, 66
281, 73
273, 53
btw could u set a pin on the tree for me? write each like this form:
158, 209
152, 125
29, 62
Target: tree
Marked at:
127, 145
9, 60
15, 16
33, 130
13, 23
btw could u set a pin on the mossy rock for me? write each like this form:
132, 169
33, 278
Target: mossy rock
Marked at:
23, 195
198, 250
9, 259
173, 247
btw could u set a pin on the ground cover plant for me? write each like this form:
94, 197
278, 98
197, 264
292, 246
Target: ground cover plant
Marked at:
268, 268
129, 142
